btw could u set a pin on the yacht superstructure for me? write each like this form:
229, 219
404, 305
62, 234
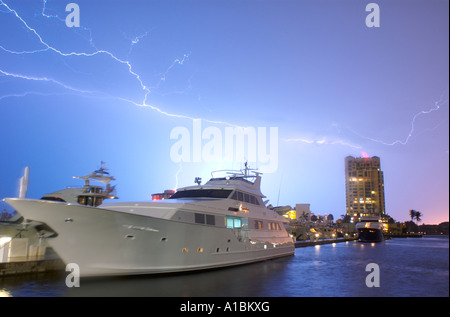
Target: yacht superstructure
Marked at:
370, 229
221, 223
89, 195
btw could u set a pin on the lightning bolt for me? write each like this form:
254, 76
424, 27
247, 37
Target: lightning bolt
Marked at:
323, 141
45, 79
437, 106
136, 40
332, 141
46, 47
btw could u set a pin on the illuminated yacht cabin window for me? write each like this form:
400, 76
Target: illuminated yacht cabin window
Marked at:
233, 222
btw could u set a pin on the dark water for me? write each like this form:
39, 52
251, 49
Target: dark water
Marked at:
407, 267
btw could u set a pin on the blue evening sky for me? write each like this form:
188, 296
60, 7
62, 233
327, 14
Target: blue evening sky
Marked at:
114, 88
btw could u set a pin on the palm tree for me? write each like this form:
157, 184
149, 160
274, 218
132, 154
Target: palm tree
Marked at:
417, 215
412, 214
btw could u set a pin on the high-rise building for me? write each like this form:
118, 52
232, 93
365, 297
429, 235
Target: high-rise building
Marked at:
364, 187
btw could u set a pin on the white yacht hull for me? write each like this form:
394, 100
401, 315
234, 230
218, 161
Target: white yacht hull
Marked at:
105, 242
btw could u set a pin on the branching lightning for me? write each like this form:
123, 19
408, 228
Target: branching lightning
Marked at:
45, 79
147, 89
48, 47
323, 141
127, 63
437, 106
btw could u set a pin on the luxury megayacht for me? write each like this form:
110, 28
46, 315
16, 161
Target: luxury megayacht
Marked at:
221, 223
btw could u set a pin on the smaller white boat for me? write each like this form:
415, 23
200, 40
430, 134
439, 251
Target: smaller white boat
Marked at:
88, 195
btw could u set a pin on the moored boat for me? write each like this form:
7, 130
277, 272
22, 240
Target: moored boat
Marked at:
370, 229
222, 223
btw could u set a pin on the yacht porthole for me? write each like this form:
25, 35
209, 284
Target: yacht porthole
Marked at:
68, 220
163, 239
129, 236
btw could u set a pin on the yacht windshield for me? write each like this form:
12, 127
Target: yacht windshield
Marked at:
202, 193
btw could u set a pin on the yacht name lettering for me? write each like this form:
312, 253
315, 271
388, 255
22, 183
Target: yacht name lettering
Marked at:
140, 228
197, 307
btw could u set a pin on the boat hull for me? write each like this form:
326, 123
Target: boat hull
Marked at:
370, 235
106, 242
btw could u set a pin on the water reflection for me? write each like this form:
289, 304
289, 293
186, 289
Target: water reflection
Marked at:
244, 280
5, 293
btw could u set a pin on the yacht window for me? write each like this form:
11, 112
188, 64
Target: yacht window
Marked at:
233, 222
81, 200
245, 198
98, 201
210, 220
205, 219
53, 199
199, 218
90, 201
274, 226
202, 193
258, 224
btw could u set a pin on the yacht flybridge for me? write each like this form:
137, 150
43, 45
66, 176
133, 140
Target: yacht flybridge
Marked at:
89, 195
223, 222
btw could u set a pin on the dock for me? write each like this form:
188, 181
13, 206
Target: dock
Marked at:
19, 256
306, 243
31, 266
406, 235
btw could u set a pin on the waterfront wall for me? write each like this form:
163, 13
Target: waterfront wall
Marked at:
300, 244
31, 266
